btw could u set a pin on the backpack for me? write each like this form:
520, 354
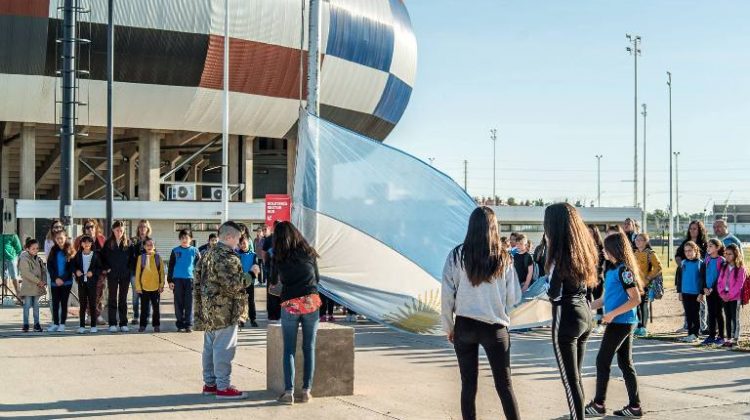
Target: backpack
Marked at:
157, 261
745, 293
657, 283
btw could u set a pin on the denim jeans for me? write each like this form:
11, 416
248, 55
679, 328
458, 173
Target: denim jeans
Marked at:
136, 299
183, 303
289, 326
28, 303
219, 347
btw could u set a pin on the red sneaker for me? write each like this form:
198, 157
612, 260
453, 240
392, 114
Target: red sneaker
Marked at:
209, 390
230, 393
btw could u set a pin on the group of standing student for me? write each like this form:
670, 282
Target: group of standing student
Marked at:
480, 285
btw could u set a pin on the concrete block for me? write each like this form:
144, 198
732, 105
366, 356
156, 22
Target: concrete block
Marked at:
334, 361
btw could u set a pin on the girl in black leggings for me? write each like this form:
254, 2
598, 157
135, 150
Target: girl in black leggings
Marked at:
622, 295
571, 264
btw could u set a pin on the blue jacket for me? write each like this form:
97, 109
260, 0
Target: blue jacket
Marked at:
248, 259
691, 276
182, 263
713, 268
59, 267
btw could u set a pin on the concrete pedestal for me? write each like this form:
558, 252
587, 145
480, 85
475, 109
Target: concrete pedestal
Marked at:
334, 361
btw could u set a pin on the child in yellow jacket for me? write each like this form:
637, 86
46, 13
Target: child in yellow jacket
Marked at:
149, 283
649, 267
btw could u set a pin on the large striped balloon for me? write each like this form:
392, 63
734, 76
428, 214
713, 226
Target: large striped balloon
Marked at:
169, 63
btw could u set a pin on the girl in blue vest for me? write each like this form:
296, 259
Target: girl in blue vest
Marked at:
622, 295
688, 280
249, 265
713, 263
60, 268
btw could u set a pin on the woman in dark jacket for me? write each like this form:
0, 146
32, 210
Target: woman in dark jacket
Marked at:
295, 266
116, 262
87, 267
60, 268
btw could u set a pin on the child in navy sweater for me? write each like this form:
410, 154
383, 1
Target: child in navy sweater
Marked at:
182, 263
689, 279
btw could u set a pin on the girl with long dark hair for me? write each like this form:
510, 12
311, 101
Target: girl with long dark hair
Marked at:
60, 268
571, 264
697, 233
623, 289
295, 266
480, 286
116, 262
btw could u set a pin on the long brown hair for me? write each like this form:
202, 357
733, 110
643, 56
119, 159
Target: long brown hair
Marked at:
288, 243
112, 241
482, 254
739, 258
570, 247
67, 249
618, 247
51, 233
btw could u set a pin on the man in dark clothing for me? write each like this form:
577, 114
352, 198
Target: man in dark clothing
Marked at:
213, 239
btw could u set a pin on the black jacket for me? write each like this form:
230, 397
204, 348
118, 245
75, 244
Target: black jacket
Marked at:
136, 250
116, 259
95, 268
299, 276
52, 268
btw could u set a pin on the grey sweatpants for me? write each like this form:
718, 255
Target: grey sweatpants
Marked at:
219, 347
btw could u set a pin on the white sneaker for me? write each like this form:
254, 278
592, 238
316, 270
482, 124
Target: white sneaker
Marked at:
690, 339
52, 328
100, 320
81, 330
61, 328
94, 330
114, 329
599, 329
124, 328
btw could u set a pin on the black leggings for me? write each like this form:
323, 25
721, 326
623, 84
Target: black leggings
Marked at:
494, 338
571, 326
732, 311
87, 298
644, 310
251, 312
117, 299
692, 313
617, 339
715, 315
60, 295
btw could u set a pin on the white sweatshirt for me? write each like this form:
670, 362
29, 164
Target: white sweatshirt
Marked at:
488, 302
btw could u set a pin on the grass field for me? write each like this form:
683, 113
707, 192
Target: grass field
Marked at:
669, 272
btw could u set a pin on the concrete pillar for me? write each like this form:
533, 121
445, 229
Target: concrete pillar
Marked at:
28, 176
5, 185
291, 160
247, 177
149, 153
234, 159
130, 176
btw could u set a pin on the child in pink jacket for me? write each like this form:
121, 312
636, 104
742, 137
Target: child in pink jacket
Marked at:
731, 279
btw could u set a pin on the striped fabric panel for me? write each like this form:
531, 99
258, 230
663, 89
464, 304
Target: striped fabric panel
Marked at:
23, 41
361, 34
394, 100
350, 85
404, 64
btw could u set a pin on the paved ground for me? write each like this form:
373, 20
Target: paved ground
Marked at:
48, 376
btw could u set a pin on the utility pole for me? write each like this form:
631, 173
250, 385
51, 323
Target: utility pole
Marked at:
635, 50
599, 179
466, 173
110, 122
225, 122
69, 101
645, 211
671, 199
493, 137
677, 187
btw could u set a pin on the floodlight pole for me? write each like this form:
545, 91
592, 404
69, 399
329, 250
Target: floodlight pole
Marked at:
493, 137
635, 50
645, 211
671, 173
110, 122
599, 179
225, 122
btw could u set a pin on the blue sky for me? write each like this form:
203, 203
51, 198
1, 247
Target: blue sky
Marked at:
555, 80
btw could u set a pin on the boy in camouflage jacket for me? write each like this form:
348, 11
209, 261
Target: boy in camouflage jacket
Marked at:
220, 304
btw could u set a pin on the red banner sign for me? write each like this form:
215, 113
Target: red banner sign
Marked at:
278, 207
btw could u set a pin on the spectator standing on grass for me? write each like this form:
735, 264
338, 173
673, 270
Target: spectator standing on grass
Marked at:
220, 305
597, 291
523, 262
149, 284
34, 282
250, 267
623, 292
60, 270
649, 268
296, 267
721, 229
571, 264
182, 263
688, 281
479, 287
116, 256
87, 267
696, 233
713, 263
142, 233
731, 280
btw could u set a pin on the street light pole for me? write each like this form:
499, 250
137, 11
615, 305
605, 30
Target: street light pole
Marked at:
671, 172
645, 212
635, 50
493, 137
677, 187
599, 179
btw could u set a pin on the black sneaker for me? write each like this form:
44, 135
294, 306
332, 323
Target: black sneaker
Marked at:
135, 321
253, 324
25, 328
627, 411
189, 329
37, 328
595, 410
